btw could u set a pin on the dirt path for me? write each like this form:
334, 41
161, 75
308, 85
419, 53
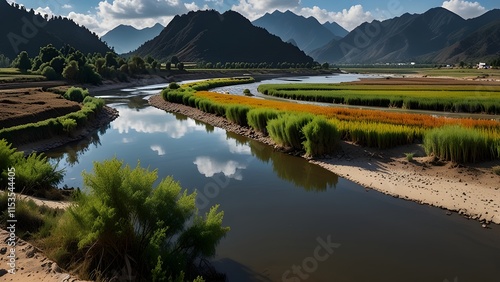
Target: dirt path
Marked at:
473, 191
30, 264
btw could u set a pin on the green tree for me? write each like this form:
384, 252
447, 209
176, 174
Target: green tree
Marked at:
22, 62
58, 64
123, 219
48, 53
168, 65
180, 66
325, 66
111, 60
462, 64
71, 71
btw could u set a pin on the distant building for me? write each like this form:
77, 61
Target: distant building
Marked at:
482, 66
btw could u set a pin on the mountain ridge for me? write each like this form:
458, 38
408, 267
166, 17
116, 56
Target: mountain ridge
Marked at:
214, 37
126, 38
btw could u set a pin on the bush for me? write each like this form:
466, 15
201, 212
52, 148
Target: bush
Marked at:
237, 114
173, 86
50, 73
124, 220
8, 158
460, 144
287, 129
35, 174
258, 118
321, 136
76, 94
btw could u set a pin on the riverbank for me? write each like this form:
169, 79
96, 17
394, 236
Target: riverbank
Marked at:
472, 190
105, 116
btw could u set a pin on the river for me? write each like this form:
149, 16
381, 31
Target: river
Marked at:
290, 220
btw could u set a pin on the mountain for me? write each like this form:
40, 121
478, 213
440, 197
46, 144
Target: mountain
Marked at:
213, 37
23, 30
399, 39
336, 29
308, 33
125, 38
481, 43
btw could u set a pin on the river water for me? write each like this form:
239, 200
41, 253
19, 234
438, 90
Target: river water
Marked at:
290, 220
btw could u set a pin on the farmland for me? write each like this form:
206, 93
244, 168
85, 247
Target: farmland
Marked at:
366, 127
451, 97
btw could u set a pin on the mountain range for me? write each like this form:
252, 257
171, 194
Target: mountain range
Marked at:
22, 30
307, 33
125, 38
437, 35
214, 37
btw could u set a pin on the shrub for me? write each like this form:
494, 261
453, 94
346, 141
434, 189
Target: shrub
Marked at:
460, 144
35, 174
8, 157
50, 73
237, 114
409, 156
287, 129
173, 85
76, 94
321, 136
124, 220
258, 118
68, 124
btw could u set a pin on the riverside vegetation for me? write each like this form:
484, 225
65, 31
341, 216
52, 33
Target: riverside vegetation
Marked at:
449, 98
365, 127
63, 125
120, 225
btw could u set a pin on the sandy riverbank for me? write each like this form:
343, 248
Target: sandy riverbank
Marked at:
471, 190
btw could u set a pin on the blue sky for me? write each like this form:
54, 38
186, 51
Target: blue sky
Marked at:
103, 15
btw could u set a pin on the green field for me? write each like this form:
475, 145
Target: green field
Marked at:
431, 72
14, 75
449, 98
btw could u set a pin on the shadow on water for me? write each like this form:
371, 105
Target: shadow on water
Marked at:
71, 152
292, 169
238, 271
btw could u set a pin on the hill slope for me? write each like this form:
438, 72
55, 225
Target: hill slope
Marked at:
213, 37
336, 29
125, 38
399, 39
22, 30
308, 33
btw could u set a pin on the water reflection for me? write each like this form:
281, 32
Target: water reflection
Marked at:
158, 149
71, 152
209, 166
292, 169
151, 120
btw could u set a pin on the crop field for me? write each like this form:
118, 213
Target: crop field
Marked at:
473, 98
314, 128
430, 72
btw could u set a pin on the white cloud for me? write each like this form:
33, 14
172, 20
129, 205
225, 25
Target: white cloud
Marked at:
192, 6
44, 11
348, 19
253, 9
67, 6
465, 9
140, 9
209, 167
158, 149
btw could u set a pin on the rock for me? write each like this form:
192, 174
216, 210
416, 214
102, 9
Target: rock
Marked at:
31, 253
3, 251
484, 225
55, 268
3, 272
448, 213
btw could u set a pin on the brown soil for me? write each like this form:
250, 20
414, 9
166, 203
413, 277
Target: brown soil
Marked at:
472, 190
31, 263
21, 106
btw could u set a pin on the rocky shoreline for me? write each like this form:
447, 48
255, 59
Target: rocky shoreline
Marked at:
472, 191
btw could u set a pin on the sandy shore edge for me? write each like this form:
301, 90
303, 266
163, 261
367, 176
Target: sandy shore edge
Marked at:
472, 191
